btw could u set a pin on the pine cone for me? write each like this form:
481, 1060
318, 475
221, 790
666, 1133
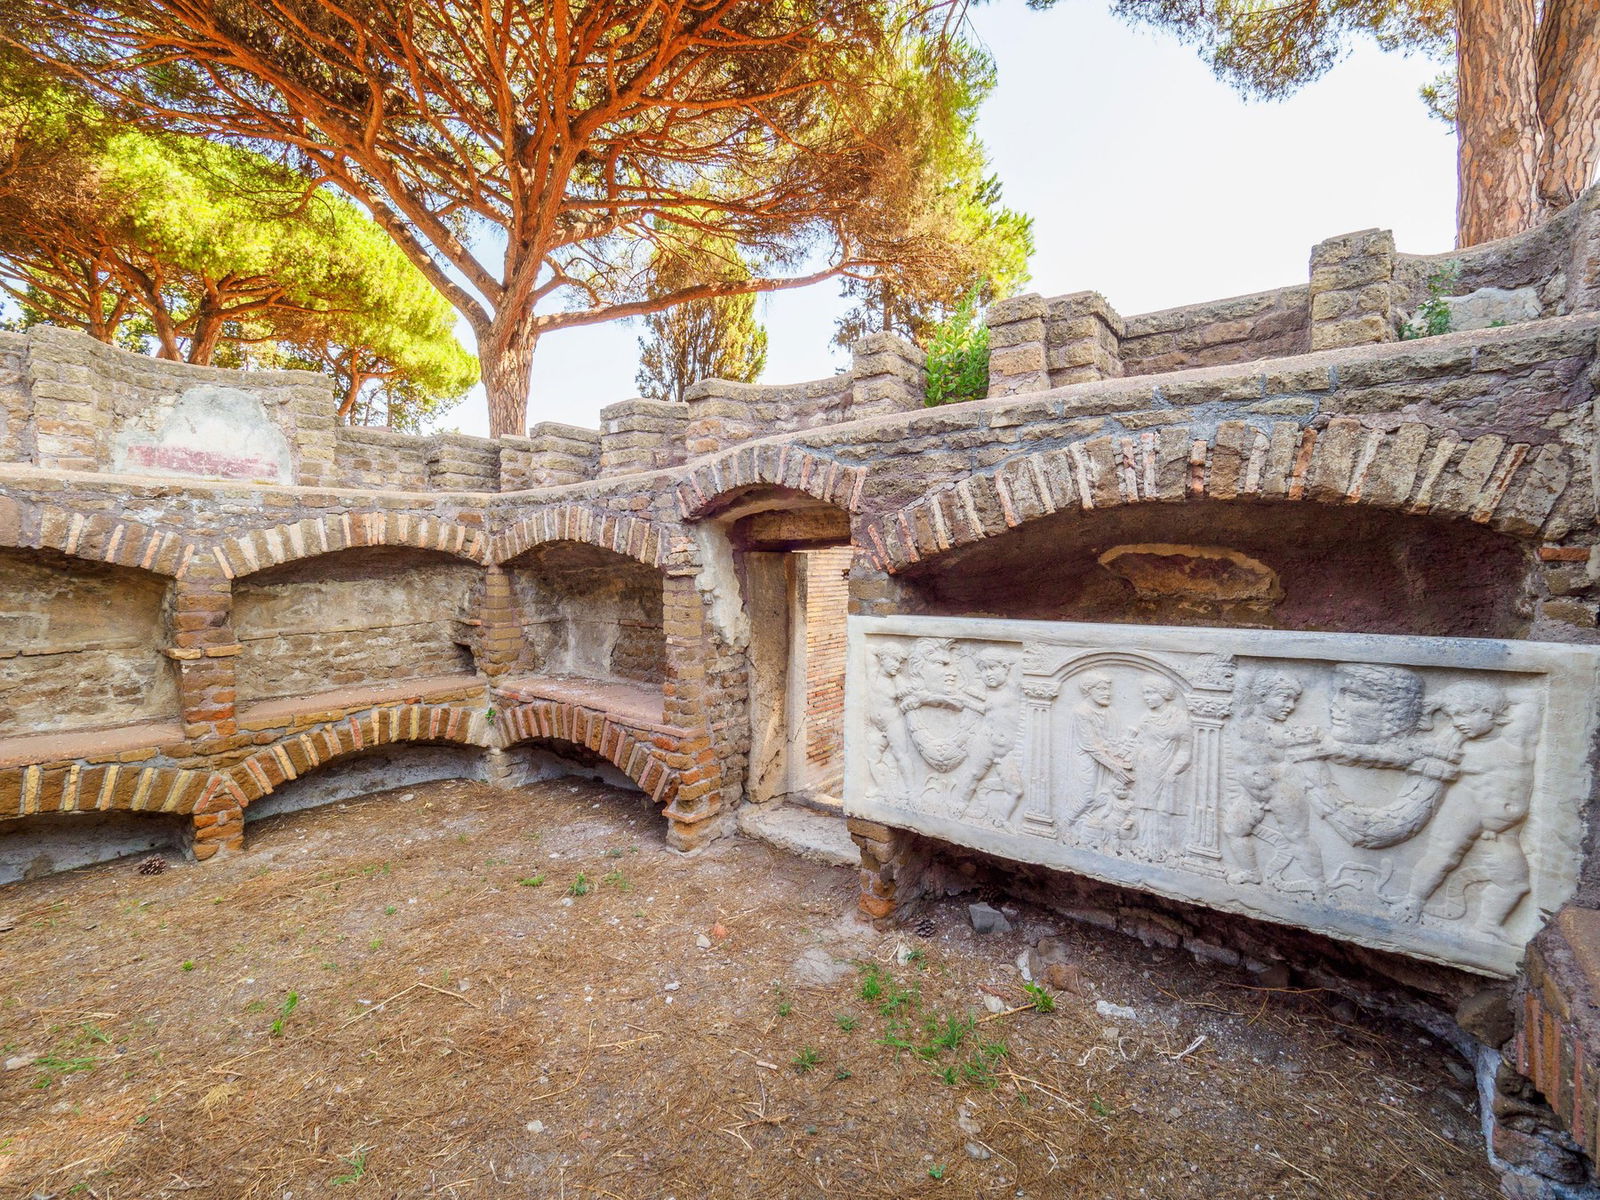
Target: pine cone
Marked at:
925, 927
153, 865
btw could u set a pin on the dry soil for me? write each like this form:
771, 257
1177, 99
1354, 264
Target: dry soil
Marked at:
454, 991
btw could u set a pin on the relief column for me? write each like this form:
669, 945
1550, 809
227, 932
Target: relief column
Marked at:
1209, 709
1039, 815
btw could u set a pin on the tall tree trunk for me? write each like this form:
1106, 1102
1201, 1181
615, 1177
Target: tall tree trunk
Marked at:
347, 405
506, 352
1569, 99
1497, 119
207, 333
166, 332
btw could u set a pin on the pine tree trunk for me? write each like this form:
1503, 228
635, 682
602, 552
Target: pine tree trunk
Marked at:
1569, 99
506, 354
166, 334
207, 333
1497, 119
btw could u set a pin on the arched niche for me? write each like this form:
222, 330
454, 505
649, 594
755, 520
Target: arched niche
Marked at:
792, 554
1282, 566
81, 645
373, 769
588, 613
353, 618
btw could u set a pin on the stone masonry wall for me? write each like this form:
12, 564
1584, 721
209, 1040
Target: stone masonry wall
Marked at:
588, 614
81, 394
340, 621
576, 589
1273, 324
80, 645
16, 435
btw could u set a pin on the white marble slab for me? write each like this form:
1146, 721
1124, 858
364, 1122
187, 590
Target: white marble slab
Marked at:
1420, 795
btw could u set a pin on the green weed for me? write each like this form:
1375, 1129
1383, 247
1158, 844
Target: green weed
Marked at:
51, 1067
285, 1011
1433, 314
356, 1161
806, 1059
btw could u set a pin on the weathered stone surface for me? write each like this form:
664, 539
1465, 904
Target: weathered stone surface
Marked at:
209, 432
1489, 307
1410, 794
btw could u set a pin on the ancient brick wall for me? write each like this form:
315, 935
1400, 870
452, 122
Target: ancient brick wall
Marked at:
15, 408
1272, 324
1280, 460
827, 602
381, 458
81, 647
589, 614
357, 619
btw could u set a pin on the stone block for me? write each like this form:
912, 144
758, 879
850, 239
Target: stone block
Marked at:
1410, 751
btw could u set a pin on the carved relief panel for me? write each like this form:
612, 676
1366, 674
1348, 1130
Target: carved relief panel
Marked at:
1413, 794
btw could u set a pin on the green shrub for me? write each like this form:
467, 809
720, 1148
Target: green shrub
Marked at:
958, 356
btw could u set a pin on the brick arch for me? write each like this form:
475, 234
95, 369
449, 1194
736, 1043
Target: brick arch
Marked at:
633, 537
93, 537
72, 787
713, 480
269, 768
631, 751
247, 553
1414, 469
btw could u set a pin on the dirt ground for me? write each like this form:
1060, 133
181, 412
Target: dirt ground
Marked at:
471, 993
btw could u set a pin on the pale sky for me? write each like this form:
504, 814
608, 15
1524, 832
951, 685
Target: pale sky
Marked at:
1148, 181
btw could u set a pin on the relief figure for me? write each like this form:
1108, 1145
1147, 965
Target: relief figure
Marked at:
1263, 784
1100, 774
943, 709
1163, 747
1484, 809
1376, 715
990, 779
888, 757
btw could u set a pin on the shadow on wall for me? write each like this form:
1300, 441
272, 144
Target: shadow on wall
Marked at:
589, 612
80, 645
534, 762
407, 764
1261, 565
399, 764
357, 617
34, 847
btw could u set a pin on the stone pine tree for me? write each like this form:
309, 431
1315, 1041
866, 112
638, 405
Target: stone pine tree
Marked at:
210, 254
948, 188
1526, 84
521, 152
718, 338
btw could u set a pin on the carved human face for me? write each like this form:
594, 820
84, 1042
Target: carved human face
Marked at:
1279, 703
1472, 720
1100, 692
1357, 713
993, 671
891, 661
1153, 697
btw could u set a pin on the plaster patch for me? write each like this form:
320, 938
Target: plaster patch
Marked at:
207, 432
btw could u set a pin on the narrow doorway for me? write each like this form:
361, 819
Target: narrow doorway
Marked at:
798, 599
